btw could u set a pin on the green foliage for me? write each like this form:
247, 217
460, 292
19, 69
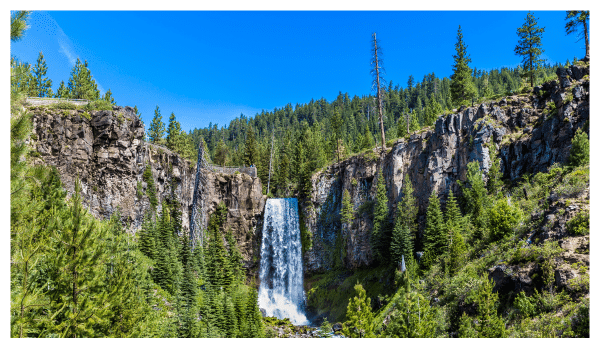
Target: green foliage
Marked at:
434, 236
494, 176
63, 105
580, 224
575, 20
405, 226
503, 218
347, 212
250, 151
475, 197
86, 115
42, 86
360, 318
81, 85
525, 305
98, 105
380, 237
461, 87
157, 127
413, 316
108, 98
151, 188
580, 149
18, 24
530, 47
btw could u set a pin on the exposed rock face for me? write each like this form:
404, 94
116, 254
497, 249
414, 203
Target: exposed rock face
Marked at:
528, 135
106, 150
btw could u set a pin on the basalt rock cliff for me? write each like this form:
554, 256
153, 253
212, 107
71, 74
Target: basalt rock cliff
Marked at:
529, 131
107, 152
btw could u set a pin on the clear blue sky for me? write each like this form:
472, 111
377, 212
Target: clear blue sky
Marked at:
212, 66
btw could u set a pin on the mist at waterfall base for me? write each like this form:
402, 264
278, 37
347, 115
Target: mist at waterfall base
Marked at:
281, 291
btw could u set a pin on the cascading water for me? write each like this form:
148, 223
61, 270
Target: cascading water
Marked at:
281, 292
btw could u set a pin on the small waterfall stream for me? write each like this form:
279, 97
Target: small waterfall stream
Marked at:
281, 292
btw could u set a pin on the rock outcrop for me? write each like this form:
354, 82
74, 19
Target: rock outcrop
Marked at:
530, 131
107, 152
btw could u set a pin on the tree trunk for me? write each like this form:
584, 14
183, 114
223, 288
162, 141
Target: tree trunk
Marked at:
587, 42
379, 98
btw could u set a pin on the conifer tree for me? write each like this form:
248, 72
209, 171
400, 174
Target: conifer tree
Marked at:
235, 258
368, 141
81, 85
380, 236
42, 86
221, 153
250, 152
432, 110
253, 317
359, 315
157, 127
347, 211
377, 73
18, 25
62, 91
405, 226
454, 226
576, 19
475, 197
79, 283
336, 127
109, 98
529, 47
434, 236
147, 235
494, 183
137, 112
173, 134
580, 149
461, 86
413, 317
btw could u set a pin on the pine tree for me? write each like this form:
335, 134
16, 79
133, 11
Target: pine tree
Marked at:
359, 315
42, 86
530, 47
413, 317
347, 211
475, 197
434, 236
377, 71
368, 141
63, 91
157, 127
137, 112
494, 183
147, 235
221, 153
18, 25
432, 110
235, 258
336, 127
454, 226
173, 134
253, 317
79, 281
405, 226
81, 85
580, 149
250, 152
380, 236
109, 98
576, 19
461, 87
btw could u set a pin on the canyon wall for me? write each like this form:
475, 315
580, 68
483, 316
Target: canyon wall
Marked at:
528, 133
107, 152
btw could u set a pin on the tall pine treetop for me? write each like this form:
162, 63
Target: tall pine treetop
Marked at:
157, 127
462, 89
529, 47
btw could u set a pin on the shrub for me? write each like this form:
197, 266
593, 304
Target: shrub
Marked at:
580, 149
98, 105
63, 105
86, 115
503, 218
580, 224
525, 305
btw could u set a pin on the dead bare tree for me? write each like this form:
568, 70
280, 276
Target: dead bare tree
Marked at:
377, 71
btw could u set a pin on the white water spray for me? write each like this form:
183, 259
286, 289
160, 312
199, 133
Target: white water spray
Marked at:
281, 292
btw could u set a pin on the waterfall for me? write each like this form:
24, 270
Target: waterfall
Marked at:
281, 292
